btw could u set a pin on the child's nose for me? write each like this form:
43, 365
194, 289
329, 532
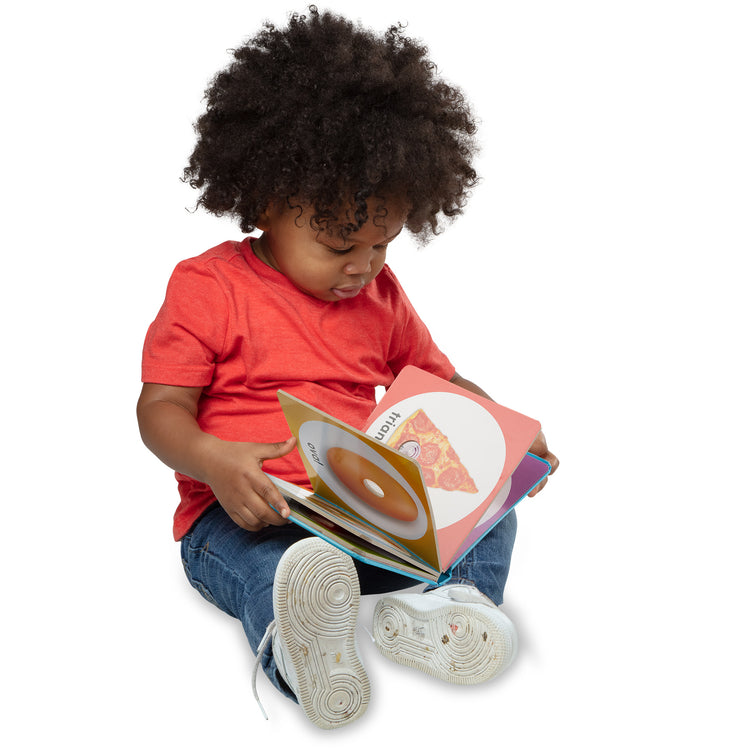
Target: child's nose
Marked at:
359, 263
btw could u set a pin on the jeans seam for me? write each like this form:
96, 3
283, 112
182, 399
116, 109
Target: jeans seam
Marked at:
205, 552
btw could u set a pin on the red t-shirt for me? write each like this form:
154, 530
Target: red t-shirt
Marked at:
241, 330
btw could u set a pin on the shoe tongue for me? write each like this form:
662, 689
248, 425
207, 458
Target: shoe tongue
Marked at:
460, 593
468, 594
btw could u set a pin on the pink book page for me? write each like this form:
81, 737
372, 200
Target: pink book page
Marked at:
467, 448
527, 475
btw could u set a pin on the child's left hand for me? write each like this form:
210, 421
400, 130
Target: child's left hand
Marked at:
539, 448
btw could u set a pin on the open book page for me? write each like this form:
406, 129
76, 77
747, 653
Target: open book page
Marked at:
371, 483
304, 511
327, 520
467, 448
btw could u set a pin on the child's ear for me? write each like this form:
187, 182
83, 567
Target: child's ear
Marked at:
263, 221
270, 214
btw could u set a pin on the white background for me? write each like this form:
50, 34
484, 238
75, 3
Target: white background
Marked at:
597, 282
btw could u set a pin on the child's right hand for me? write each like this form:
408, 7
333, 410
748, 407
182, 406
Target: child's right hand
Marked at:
234, 472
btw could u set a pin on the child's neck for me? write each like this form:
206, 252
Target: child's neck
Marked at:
262, 253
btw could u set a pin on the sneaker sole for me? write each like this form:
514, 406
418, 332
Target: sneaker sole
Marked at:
455, 642
316, 602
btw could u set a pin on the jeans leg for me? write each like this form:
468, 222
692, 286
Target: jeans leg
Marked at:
487, 564
234, 569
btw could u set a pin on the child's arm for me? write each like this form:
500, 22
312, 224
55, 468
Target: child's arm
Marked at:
538, 447
167, 420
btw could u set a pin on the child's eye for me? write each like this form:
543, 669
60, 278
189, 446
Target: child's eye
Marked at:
345, 250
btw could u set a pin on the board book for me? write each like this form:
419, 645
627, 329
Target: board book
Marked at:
435, 468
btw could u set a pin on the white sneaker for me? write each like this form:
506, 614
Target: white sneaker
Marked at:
315, 605
454, 633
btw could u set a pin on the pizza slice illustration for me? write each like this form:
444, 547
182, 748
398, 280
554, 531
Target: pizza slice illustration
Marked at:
420, 439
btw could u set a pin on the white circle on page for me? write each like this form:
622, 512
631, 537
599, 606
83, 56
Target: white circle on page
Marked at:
477, 439
324, 436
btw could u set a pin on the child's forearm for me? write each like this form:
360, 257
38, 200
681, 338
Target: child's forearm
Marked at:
469, 386
172, 433
233, 470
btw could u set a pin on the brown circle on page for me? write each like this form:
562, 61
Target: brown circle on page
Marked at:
372, 485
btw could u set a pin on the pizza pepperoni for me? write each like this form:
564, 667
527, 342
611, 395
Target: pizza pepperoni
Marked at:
441, 467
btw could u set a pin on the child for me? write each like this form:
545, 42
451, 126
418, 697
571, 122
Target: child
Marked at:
330, 140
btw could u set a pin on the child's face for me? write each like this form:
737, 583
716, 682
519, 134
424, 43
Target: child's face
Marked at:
321, 262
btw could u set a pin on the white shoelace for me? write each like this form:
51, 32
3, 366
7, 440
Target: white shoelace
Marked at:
270, 630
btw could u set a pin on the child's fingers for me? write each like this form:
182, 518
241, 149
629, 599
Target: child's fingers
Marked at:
268, 491
538, 488
539, 448
277, 450
261, 506
271, 496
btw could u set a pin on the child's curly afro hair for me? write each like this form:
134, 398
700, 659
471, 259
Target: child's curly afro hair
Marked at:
331, 115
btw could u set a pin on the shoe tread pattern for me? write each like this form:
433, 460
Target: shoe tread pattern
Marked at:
316, 601
456, 642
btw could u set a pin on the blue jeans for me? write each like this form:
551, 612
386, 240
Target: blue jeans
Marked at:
234, 570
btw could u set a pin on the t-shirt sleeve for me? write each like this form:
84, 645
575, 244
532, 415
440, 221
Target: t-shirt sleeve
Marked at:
189, 333
413, 344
